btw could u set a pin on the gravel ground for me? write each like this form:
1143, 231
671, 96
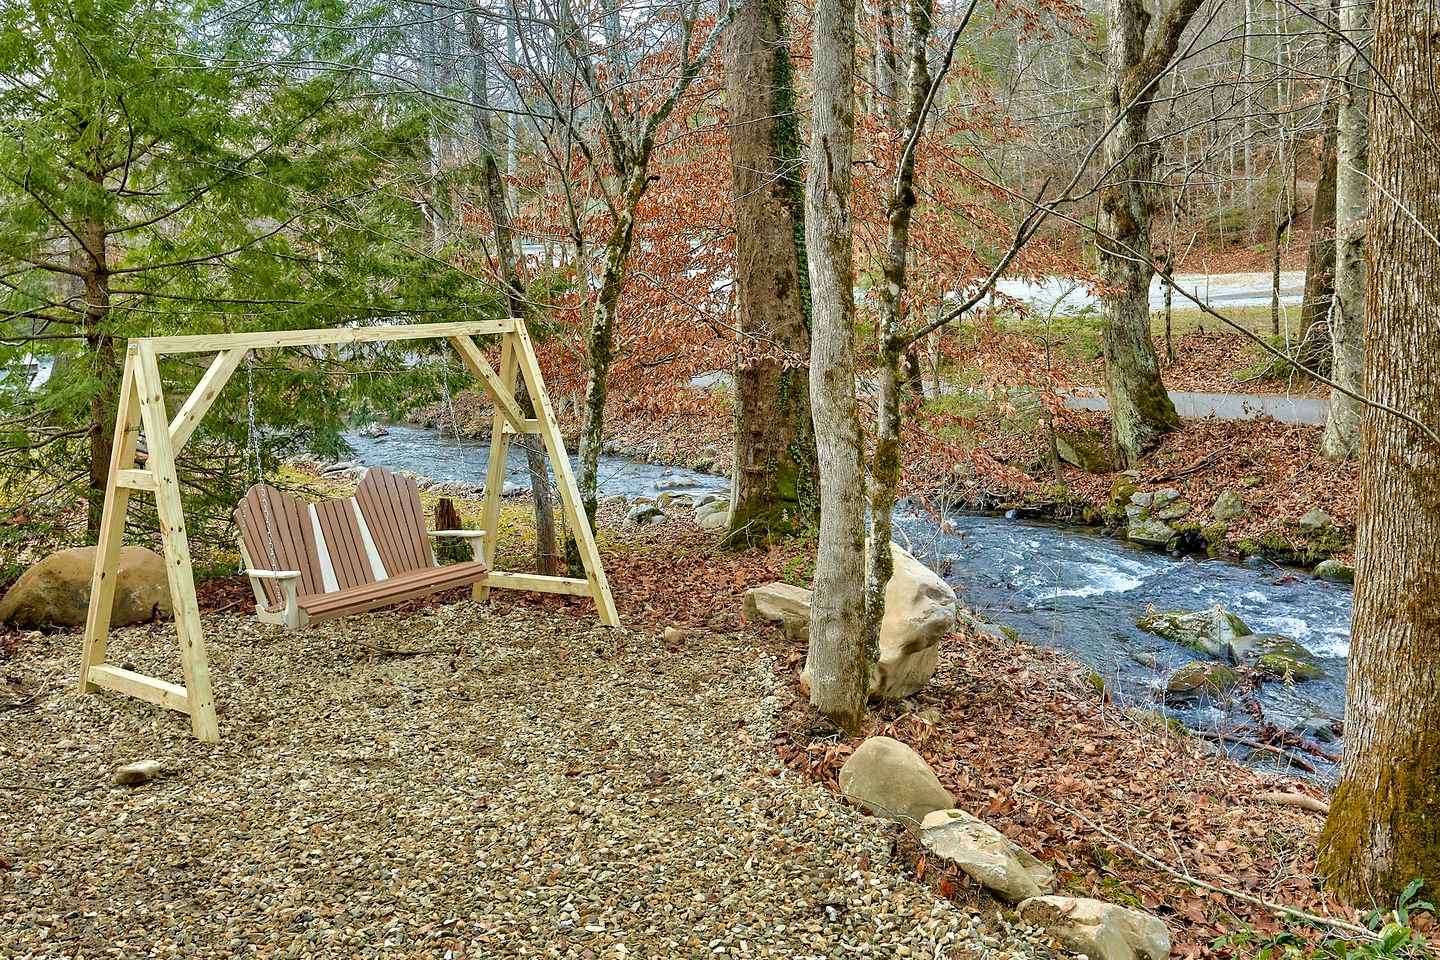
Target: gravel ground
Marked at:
548, 789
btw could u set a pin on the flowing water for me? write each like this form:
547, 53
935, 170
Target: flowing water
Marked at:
1070, 589
427, 453
1082, 592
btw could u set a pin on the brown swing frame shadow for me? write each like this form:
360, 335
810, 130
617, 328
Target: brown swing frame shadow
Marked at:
142, 405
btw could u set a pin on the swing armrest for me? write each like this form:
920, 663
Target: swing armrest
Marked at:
288, 581
472, 537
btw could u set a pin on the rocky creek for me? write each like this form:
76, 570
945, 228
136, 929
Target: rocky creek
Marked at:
1075, 590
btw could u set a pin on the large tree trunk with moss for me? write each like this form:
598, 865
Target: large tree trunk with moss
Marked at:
1314, 348
774, 484
1140, 407
1347, 321
836, 659
600, 336
1384, 825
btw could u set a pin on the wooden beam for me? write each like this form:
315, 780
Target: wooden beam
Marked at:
574, 586
213, 342
491, 381
181, 576
112, 526
166, 694
495, 472
135, 479
203, 396
564, 478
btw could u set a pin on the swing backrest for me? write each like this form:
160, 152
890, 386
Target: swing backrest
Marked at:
336, 544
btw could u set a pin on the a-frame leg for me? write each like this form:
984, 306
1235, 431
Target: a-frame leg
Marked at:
495, 472
529, 364
112, 527
161, 464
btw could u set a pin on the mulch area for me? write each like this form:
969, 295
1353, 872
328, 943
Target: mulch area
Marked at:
1016, 733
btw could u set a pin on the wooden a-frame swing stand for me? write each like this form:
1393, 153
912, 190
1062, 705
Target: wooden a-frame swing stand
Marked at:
142, 406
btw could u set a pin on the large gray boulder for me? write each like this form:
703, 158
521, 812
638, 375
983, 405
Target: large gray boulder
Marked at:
1210, 631
56, 591
781, 603
888, 779
1100, 930
985, 854
919, 612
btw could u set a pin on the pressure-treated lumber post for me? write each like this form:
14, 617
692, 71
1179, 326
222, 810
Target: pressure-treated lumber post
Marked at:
112, 526
499, 456
161, 463
584, 534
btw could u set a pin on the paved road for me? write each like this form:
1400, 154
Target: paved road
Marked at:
1227, 406
1064, 295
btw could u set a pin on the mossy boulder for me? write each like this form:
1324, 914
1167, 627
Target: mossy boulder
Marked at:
1277, 657
1120, 493
1086, 449
1173, 511
1334, 571
1284, 667
1150, 532
1209, 631
1197, 678
1228, 505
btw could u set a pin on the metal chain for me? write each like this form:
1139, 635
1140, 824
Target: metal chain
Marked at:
258, 476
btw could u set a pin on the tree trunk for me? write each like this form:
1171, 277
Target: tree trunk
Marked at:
506, 254
774, 482
1347, 318
1383, 829
100, 344
1140, 407
894, 345
1313, 351
887, 72
836, 659
600, 336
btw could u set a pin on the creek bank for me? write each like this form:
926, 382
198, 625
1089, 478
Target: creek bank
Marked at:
890, 780
1077, 590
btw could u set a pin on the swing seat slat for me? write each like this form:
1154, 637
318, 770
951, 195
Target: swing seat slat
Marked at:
344, 556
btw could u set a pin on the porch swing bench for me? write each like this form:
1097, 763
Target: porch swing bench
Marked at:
345, 556
313, 562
